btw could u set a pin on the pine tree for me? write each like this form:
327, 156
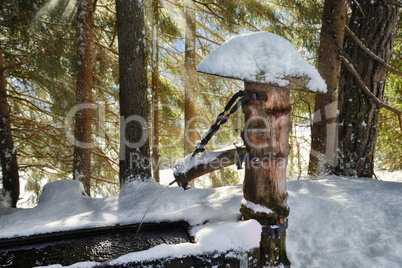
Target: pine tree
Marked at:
14, 18
155, 89
323, 131
374, 24
134, 143
190, 78
83, 118
8, 154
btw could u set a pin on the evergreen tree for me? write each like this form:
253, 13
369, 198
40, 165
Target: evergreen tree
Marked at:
8, 154
389, 142
155, 89
374, 24
134, 143
83, 117
323, 131
14, 17
190, 78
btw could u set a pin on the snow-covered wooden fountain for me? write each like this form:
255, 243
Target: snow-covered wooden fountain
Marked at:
268, 65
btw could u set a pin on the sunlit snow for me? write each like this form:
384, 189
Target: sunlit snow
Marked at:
262, 54
333, 222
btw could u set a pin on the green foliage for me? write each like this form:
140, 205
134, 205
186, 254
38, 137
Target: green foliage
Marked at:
216, 21
39, 40
389, 143
169, 27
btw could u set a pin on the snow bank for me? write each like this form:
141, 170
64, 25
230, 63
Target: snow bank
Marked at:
262, 54
212, 237
338, 222
63, 206
333, 222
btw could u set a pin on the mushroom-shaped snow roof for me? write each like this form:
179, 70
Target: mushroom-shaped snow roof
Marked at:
263, 57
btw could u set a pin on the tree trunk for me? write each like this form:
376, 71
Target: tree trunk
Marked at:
190, 78
8, 153
134, 145
358, 118
83, 117
155, 89
266, 134
323, 132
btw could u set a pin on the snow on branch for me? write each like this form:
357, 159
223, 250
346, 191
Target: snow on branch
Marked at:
370, 53
368, 92
396, 3
351, 2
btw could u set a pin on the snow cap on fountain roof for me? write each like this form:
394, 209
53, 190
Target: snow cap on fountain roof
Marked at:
263, 57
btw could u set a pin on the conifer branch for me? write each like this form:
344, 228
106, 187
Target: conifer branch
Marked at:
21, 100
214, 13
367, 91
108, 160
211, 32
57, 24
107, 138
285, 6
209, 40
107, 7
369, 52
396, 3
350, 2
107, 48
105, 89
99, 179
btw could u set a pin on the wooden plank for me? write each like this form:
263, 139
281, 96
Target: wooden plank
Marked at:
204, 163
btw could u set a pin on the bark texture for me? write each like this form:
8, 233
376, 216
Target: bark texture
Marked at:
266, 134
134, 145
358, 118
8, 153
83, 117
155, 89
323, 132
190, 78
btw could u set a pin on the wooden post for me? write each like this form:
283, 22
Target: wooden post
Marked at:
267, 127
266, 134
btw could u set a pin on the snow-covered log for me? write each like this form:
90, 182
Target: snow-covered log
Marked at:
192, 167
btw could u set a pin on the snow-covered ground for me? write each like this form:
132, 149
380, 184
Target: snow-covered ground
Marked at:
334, 221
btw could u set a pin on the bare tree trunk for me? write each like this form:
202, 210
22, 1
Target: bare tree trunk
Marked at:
358, 118
155, 89
134, 144
8, 153
323, 132
83, 117
190, 78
